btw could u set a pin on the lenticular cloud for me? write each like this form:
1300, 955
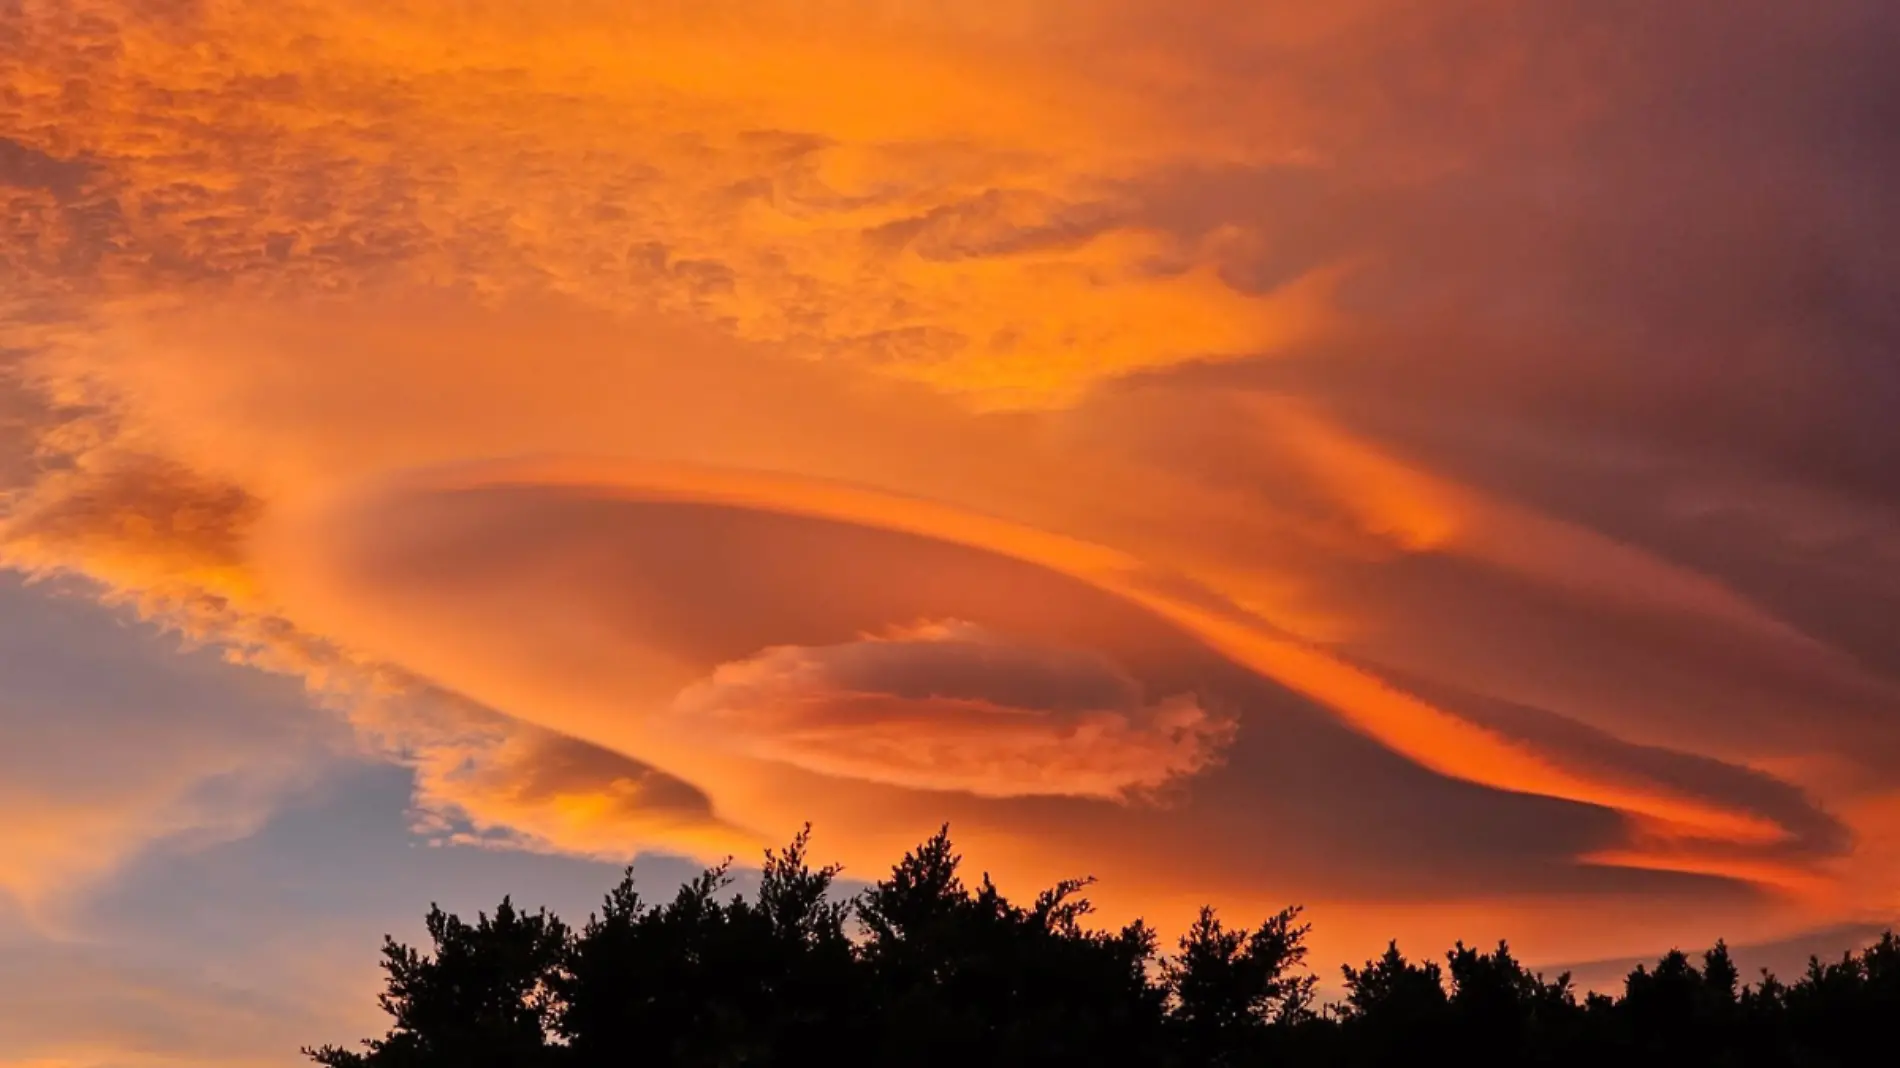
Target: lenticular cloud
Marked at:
952, 706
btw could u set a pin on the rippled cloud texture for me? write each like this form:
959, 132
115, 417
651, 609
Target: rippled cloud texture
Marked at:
1429, 461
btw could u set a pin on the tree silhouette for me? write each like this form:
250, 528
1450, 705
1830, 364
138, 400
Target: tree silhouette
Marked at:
923, 969
484, 999
1503, 1013
961, 976
1393, 1006
703, 981
1234, 991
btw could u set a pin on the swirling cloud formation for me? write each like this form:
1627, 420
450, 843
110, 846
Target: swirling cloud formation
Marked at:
1431, 461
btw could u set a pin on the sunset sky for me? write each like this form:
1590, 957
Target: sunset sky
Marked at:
1437, 463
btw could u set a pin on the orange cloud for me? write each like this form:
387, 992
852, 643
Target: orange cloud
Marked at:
717, 172
284, 446
950, 706
776, 681
1422, 512
520, 788
1436, 738
611, 373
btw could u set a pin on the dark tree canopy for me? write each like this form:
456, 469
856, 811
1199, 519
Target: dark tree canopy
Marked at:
925, 969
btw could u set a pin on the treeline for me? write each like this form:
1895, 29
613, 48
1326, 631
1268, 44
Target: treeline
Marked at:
924, 970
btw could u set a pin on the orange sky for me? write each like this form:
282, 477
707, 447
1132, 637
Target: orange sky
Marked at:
1427, 462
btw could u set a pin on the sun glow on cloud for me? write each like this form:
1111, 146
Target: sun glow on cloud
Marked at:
1365, 458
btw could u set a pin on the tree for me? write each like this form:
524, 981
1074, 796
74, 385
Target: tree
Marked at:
1392, 1006
1678, 1013
483, 999
936, 972
962, 976
1504, 1014
1234, 991
704, 981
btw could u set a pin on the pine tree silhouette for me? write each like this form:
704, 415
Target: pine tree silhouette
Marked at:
923, 969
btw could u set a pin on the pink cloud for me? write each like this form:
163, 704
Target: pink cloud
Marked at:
952, 706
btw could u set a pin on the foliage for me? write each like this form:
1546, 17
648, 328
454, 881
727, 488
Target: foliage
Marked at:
923, 969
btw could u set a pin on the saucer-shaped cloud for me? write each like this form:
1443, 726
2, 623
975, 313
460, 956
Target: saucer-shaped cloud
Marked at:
1523, 481
506, 785
952, 706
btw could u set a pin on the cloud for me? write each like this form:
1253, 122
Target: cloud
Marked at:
140, 523
950, 706
520, 788
160, 965
643, 581
696, 168
25, 167
582, 596
1484, 409
118, 745
78, 1006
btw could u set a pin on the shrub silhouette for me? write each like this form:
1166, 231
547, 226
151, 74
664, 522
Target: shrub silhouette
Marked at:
924, 969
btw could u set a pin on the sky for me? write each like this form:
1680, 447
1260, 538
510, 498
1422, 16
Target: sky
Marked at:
1432, 463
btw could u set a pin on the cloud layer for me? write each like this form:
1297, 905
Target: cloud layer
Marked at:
1429, 461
